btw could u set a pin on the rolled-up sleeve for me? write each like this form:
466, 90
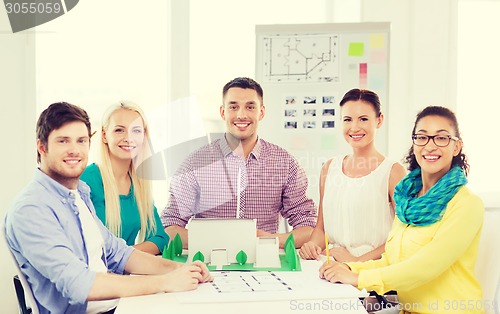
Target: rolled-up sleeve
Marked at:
117, 251
298, 209
50, 252
183, 197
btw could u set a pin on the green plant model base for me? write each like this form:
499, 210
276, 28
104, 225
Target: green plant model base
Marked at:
289, 261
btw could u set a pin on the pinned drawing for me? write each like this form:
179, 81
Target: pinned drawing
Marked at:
301, 58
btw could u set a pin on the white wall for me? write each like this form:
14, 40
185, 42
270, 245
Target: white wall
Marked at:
102, 52
477, 84
422, 56
222, 42
18, 157
422, 51
96, 54
421, 61
442, 53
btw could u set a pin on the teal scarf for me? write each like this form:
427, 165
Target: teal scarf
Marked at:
429, 208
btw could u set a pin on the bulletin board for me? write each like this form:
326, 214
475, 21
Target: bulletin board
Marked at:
305, 69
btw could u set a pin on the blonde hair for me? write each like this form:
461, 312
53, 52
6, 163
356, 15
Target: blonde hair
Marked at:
142, 187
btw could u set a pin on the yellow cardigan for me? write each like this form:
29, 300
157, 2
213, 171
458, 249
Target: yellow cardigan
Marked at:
432, 267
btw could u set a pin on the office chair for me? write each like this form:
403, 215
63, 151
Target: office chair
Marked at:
21, 300
488, 260
23, 289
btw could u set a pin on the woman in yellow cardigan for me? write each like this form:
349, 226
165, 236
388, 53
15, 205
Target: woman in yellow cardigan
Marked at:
432, 247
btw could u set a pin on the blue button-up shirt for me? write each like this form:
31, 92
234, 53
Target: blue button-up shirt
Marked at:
45, 235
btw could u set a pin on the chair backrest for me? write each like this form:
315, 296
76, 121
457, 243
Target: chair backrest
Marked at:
28, 293
21, 300
488, 260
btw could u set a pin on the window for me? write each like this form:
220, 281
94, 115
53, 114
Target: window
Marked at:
478, 78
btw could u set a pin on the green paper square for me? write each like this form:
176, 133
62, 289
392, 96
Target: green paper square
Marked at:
356, 49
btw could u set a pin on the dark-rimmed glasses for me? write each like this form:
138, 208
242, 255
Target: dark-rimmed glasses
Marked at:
439, 140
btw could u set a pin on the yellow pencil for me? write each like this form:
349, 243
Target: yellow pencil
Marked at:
326, 249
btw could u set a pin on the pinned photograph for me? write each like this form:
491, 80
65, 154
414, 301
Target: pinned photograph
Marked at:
310, 112
290, 100
309, 124
310, 100
328, 124
328, 112
328, 99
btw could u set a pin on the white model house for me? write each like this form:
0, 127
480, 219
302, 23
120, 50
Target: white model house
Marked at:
220, 240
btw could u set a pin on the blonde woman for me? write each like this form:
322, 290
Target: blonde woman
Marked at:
123, 200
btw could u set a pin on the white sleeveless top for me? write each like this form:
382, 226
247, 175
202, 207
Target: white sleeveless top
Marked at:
356, 211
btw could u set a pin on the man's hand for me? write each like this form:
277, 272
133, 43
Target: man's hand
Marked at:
262, 233
205, 274
186, 277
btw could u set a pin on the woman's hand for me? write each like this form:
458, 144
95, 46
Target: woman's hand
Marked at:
310, 250
341, 254
338, 272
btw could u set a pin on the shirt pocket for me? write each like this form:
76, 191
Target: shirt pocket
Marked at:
416, 238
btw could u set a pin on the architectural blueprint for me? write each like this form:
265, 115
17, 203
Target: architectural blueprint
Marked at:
301, 58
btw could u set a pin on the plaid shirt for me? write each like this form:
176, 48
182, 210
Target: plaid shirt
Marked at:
269, 182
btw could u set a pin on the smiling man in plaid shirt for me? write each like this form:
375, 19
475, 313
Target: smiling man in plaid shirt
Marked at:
241, 175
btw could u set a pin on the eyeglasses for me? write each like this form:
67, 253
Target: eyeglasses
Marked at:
439, 140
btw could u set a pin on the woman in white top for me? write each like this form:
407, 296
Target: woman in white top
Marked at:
356, 206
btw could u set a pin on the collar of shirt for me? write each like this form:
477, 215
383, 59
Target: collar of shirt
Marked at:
226, 150
54, 186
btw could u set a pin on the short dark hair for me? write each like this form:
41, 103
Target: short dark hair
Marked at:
365, 95
460, 159
243, 82
57, 115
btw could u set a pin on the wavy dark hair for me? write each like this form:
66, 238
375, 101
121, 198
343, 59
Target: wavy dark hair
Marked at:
365, 95
460, 159
243, 82
57, 115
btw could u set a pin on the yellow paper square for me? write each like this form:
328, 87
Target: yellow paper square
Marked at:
377, 41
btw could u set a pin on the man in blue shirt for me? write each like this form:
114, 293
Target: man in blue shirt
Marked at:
63, 249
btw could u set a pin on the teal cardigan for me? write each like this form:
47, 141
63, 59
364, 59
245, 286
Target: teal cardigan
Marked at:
131, 223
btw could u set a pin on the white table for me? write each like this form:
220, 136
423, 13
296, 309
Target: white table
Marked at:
314, 301
167, 303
